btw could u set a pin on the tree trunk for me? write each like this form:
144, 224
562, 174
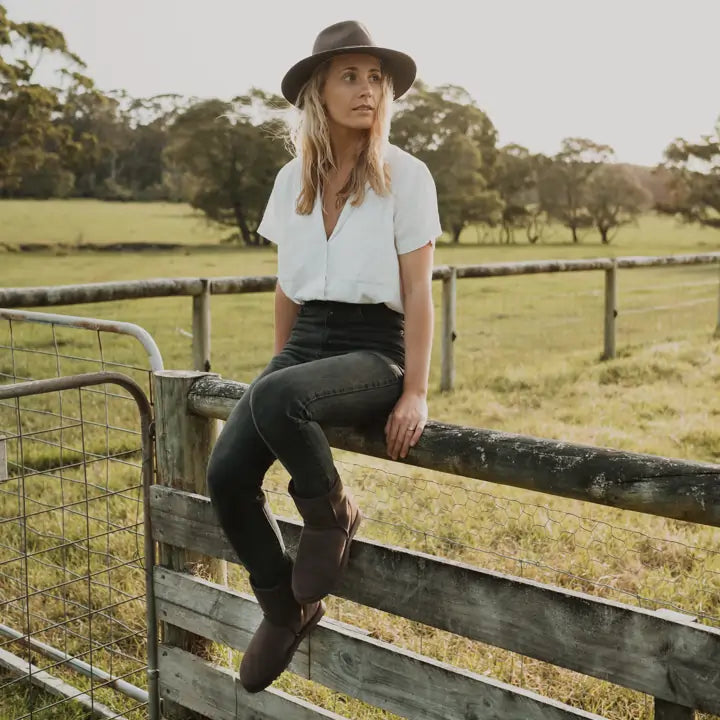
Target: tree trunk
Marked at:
604, 235
242, 224
507, 232
457, 229
574, 234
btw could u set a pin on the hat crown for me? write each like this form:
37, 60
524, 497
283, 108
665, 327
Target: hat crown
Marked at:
349, 33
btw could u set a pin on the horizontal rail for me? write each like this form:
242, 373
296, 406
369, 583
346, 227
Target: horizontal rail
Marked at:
534, 267
667, 487
98, 292
169, 287
655, 653
215, 693
350, 662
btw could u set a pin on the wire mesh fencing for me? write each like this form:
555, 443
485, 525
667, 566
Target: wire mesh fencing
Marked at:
641, 560
521, 319
71, 526
667, 304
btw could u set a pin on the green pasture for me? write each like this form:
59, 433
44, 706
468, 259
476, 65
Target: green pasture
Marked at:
75, 222
527, 361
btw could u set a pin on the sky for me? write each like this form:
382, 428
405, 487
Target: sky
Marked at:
634, 74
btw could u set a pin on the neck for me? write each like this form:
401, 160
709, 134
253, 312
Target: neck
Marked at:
346, 144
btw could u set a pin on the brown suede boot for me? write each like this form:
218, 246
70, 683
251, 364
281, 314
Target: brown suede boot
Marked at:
331, 521
284, 625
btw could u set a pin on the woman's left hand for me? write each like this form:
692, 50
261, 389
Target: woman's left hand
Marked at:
405, 424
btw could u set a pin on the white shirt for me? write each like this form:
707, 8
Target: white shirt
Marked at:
359, 262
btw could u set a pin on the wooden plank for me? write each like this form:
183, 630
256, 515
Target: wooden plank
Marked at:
241, 285
634, 261
202, 616
636, 648
449, 300
55, 686
375, 672
97, 292
213, 691
166, 287
534, 267
645, 483
531, 267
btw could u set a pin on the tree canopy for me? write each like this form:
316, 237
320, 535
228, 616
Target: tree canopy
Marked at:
444, 128
68, 138
695, 179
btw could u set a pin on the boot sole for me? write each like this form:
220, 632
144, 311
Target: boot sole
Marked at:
343, 561
310, 625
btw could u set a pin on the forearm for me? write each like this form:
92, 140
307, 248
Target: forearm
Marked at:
419, 319
286, 312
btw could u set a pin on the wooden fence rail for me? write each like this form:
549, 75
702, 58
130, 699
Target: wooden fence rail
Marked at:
200, 289
664, 654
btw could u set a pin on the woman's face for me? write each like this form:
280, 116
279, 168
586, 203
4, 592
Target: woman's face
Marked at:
352, 90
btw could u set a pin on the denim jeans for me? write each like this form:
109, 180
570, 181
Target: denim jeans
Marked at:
342, 365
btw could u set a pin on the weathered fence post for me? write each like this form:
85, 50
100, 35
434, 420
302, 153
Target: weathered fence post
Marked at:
449, 301
201, 328
184, 443
610, 311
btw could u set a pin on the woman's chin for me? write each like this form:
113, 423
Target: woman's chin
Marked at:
359, 123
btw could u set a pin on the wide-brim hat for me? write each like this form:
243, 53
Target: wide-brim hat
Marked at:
349, 37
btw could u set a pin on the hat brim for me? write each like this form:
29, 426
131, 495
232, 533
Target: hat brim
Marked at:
400, 66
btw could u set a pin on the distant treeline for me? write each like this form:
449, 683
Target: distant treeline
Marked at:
72, 140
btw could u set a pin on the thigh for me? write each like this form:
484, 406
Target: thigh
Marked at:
239, 440
348, 389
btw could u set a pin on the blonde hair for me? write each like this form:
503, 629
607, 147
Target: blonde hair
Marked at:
311, 142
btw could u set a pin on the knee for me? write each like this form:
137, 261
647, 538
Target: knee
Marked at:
274, 399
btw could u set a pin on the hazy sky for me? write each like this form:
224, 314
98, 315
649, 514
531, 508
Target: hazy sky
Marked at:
630, 73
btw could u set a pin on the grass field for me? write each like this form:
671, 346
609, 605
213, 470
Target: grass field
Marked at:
527, 359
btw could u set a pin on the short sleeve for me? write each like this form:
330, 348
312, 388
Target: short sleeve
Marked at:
271, 226
416, 218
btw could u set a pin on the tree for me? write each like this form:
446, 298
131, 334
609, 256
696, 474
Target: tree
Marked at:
99, 134
33, 144
233, 160
444, 128
563, 181
515, 179
695, 179
614, 198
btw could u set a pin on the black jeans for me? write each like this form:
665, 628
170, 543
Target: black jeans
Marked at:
342, 365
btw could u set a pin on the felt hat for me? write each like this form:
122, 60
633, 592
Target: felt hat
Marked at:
345, 37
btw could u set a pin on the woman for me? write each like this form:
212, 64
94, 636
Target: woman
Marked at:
354, 219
